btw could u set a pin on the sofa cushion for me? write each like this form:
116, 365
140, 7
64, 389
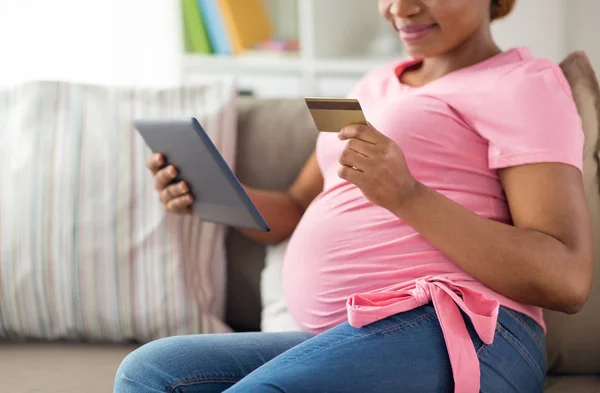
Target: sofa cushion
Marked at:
87, 250
573, 384
275, 138
574, 341
275, 314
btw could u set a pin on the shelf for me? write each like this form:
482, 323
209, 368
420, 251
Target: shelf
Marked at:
352, 66
331, 60
284, 64
241, 63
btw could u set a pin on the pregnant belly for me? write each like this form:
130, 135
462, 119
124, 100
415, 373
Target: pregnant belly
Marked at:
336, 252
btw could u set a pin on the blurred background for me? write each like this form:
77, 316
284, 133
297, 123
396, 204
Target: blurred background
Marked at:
275, 48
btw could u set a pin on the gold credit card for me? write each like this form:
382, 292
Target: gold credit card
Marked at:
333, 114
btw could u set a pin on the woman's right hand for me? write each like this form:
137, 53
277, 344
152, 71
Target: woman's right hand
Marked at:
175, 196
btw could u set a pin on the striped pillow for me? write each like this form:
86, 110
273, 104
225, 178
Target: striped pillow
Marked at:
86, 250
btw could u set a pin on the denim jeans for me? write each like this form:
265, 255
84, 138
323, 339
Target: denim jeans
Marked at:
403, 353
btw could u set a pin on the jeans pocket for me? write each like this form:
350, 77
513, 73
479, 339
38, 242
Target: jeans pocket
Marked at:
508, 365
530, 329
480, 346
537, 366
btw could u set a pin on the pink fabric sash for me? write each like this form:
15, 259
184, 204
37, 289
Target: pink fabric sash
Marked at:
447, 297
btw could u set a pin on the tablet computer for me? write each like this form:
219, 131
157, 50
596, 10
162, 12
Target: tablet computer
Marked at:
218, 195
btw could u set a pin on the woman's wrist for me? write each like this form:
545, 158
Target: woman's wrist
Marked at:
410, 196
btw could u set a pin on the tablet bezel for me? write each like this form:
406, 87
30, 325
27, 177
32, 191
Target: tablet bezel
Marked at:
156, 134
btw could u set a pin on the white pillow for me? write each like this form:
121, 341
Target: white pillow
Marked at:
275, 315
87, 250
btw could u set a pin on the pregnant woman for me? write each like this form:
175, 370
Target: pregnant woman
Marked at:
425, 245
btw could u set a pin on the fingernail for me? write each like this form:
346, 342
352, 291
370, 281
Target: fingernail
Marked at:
183, 187
172, 172
157, 160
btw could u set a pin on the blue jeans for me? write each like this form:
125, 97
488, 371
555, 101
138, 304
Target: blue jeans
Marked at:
403, 353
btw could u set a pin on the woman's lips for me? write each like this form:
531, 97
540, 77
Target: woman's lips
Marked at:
415, 32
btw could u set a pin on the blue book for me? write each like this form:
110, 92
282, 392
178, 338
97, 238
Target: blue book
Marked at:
215, 26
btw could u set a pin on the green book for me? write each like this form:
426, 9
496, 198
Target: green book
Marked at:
196, 37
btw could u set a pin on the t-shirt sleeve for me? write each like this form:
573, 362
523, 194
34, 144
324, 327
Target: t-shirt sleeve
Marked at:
530, 117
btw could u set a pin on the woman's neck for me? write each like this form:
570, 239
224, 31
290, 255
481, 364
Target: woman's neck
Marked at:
479, 47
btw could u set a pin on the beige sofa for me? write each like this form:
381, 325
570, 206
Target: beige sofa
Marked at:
275, 138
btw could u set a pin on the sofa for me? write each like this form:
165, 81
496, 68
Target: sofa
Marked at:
274, 139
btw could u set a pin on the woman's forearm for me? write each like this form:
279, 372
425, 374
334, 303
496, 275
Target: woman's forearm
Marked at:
281, 212
525, 265
283, 209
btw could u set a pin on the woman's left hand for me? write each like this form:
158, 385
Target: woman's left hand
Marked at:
376, 165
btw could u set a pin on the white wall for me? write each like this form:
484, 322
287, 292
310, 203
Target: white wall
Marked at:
584, 28
284, 15
95, 41
538, 24
553, 28
346, 33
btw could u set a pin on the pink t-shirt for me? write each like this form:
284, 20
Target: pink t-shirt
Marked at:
351, 260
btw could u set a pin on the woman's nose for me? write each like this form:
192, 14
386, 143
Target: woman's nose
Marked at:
404, 8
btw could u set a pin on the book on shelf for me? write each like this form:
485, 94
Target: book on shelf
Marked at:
194, 30
231, 27
215, 26
247, 22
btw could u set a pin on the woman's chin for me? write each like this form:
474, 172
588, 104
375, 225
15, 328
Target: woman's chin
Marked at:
420, 52
415, 53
